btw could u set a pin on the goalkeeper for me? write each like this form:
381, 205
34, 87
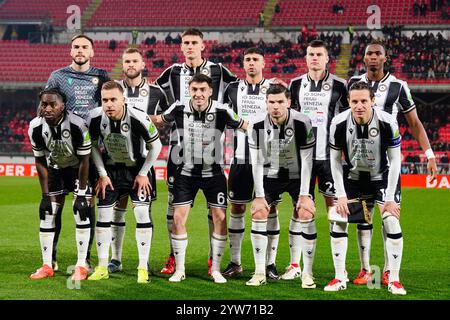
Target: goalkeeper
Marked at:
370, 141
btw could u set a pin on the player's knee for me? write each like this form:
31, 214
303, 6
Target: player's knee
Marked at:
177, 219
218, 216
119, 215
304, 215
50, 219
329, 201
179, 216
105, 214
238, 208
141, 214
392, 225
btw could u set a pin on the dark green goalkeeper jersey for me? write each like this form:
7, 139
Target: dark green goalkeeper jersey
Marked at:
82, 89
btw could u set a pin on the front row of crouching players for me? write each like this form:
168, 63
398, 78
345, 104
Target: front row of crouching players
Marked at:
131, 143
62, 144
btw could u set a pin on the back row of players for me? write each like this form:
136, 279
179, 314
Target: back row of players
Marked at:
295, 147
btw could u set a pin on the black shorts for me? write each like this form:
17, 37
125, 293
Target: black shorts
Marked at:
173, 164
240, 183
214, 189
122, 179
274, 188
152, 179
373, 191
65, 180
322, 171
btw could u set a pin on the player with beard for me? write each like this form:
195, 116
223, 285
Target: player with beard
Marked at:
151, 99
80, 83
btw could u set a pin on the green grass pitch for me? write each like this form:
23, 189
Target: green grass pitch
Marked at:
425, 268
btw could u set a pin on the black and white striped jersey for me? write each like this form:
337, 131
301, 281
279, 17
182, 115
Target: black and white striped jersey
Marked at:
320, 101
280, 145
146, 97
175, 80
62, 143
365, 146
249, 103
391, 94
125, 140
201, 137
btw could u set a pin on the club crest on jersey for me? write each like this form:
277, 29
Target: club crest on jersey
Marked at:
143, 92
205, 72
210, 117
95, 80
289, 132
231, 194
373, 132
326, 87
104, 126
382, 87
171, 180
125, 127
70, 81
65, 133
305, 85
242, 88
263, 90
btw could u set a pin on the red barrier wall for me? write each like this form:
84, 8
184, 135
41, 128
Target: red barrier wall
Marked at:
408, 180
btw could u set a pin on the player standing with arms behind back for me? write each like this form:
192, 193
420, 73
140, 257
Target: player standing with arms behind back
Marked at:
320, 95
175, 83
248, 100
151, 99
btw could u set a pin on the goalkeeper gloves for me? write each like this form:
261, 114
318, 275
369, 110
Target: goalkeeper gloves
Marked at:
45, 207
